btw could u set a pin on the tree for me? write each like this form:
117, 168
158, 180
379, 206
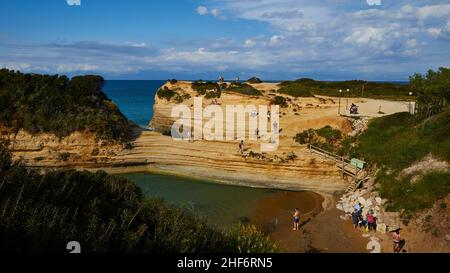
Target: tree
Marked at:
432, 92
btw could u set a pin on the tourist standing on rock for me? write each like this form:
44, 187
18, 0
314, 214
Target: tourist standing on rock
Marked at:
355, 218
358, 207
241, 147
371, 221
296, 219
397, 240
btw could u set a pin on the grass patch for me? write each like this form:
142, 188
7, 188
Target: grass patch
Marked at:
280, 101
202, 87
168, 94
394, 143
329, 133
243, 89
410, 198
213, 94
326, 138
398, 140
254, 80
61, 106
309, 87
180, 98
295, 89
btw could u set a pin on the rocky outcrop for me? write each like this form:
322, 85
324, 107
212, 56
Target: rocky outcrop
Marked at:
216, 160
370, 202
48, 150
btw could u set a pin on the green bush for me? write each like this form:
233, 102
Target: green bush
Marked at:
55, 104
166, 93
243, 89
431, 92
329, 133
281, 101
305, 137
247, 239
213, 94
309, 87
181, 98
202, 87
347, 147
254, 80
396, 141
42, 212
295, 89
408, 197
316, 137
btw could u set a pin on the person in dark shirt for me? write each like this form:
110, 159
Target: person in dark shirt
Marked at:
355, 218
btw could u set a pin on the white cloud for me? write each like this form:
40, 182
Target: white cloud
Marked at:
65, 68
434, 32
373, 2
431, 11
16, 66
215, 12
275, 39
138, 44
365, 35
411, 43
202, 10
73, 2
249, 43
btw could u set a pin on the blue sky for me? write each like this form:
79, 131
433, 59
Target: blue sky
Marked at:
191, 39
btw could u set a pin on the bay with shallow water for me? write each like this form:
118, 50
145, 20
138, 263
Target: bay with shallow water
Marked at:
219, 204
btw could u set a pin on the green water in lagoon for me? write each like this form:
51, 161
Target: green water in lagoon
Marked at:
223, 205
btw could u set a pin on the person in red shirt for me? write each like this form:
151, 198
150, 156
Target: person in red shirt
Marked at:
371, 222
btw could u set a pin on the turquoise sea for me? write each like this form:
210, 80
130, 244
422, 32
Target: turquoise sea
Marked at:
134, 98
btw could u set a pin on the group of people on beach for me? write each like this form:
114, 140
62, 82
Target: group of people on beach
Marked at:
369, 224
368, 221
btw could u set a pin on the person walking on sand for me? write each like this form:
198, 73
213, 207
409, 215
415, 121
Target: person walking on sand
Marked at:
355, 218
241, 147
296, 219
397, 240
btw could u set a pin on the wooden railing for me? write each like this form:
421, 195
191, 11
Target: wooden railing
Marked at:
358, 174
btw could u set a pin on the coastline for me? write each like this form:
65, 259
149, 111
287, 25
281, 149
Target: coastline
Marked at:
220, 162
228, 178
329, 199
